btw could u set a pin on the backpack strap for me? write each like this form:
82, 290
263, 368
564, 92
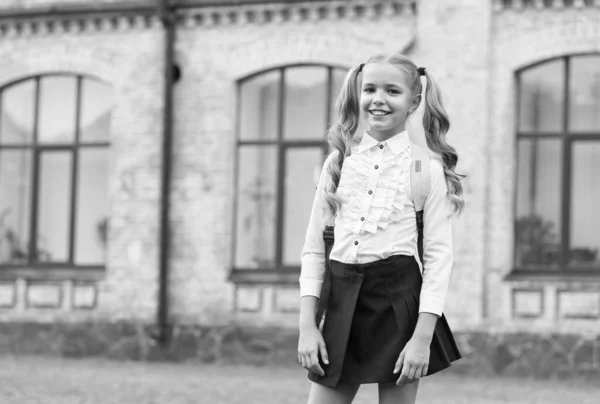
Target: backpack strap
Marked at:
420, 181
420, 184
326, 288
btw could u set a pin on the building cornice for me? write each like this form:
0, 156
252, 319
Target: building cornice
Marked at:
517, 5
87, 19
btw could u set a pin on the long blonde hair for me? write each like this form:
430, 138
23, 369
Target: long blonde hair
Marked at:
435, 124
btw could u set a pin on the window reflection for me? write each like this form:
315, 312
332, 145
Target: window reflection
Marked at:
17, 113
15, 200
585, 199
49, 191
259, 112
542, 98
305, 114
96, 101
584, 111
57, 109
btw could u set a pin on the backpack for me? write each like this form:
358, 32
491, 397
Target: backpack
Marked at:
420, 186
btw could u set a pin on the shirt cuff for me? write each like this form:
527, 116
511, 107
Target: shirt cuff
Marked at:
310, 287
431, 304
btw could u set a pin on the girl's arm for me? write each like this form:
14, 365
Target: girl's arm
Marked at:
437, 244
312, 271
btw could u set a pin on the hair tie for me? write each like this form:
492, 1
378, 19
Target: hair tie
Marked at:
360, 67
421, 71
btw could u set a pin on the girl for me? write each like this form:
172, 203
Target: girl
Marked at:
383, 321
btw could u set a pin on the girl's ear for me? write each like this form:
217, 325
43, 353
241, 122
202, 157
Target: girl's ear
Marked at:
414, 103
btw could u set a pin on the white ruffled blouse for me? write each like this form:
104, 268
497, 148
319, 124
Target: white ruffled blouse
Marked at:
377, 218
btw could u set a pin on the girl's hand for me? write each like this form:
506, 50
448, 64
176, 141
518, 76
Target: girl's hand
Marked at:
310, 344
413, 361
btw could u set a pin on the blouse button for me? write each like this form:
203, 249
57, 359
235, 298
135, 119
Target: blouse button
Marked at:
381, 146
376, 167
370, 192
362, 219
356, 243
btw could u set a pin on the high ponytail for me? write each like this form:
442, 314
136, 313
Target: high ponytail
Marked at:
340, 135
436, 125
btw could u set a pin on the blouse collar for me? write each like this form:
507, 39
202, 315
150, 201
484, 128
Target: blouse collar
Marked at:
397, 143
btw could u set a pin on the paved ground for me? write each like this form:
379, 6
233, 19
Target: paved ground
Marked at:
33, 380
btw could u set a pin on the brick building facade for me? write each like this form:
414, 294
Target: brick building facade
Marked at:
517, 78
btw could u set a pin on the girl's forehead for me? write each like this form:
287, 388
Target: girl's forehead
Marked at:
383, 73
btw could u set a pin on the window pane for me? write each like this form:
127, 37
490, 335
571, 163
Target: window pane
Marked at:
542, 98
585, 199
96, 103
18, 109
54, 206
57, 109
302, 169
538, 234
15, 202
305, 103
256, 207
92, 207
584, 109
259, 102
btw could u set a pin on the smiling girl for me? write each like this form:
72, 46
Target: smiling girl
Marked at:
383, 300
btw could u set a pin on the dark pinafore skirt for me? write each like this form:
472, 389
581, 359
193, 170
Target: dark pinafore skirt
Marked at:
371, 313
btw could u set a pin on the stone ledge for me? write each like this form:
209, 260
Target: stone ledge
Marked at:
513, 355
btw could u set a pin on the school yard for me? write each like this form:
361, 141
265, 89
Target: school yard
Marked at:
43, 380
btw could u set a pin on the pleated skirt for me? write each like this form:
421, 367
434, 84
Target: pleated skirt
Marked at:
372, 313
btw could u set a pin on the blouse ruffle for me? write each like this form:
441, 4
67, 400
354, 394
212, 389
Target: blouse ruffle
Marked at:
389, 198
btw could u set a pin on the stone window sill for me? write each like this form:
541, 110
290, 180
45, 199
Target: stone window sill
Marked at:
264, 276
53, 273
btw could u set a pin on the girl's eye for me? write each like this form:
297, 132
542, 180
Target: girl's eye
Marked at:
394, 91
368, 90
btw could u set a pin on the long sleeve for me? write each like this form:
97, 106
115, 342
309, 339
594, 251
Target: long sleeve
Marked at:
313, 252
437, 243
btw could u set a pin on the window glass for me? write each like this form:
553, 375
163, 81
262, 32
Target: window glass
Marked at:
542, 98
92, 206
58, 107
54, 206
584, 108
259, 111
15, 202
584, 248
305, 103
96, 103
256, 207
302, 165
538, 236
17, 113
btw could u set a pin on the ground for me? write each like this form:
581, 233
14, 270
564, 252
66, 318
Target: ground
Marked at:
42, 380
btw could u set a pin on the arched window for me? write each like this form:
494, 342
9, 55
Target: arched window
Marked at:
557, 222
282, 119
54, 153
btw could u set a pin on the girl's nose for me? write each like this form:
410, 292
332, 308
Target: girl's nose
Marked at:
377, 98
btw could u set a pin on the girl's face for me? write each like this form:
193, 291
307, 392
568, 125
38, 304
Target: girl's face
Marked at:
386, 100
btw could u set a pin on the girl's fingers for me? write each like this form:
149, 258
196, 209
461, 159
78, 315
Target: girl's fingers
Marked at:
411, 373
399, 363
304, 364
323, 351
425, 369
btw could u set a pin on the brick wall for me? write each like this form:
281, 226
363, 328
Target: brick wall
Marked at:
131, 63
522, 37
213, 57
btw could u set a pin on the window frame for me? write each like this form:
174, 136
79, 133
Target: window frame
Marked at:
55, 269
280, 273
567, 139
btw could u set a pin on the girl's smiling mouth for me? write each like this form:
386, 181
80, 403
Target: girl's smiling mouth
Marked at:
379, 112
